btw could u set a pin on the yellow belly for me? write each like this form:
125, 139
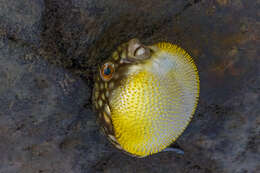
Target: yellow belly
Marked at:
154, 104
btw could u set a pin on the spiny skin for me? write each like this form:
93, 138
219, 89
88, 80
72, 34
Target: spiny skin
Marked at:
149, 101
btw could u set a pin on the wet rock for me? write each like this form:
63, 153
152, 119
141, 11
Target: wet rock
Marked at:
49, 51
22, 19
39, 104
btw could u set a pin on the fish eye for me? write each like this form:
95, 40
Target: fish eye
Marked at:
106, 71
139, 51
142, 52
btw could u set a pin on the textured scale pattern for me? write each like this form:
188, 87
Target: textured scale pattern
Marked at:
155, 102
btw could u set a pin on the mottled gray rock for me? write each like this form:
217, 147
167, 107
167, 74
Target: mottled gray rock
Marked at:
50, 49
22, 19
40, 104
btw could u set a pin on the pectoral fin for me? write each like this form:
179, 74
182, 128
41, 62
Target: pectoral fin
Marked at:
174, 148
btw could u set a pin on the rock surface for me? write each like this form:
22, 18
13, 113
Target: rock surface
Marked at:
49, 51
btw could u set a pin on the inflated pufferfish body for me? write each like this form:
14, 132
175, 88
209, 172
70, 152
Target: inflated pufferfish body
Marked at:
145, 96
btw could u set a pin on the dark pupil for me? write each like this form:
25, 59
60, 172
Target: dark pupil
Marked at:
107, 71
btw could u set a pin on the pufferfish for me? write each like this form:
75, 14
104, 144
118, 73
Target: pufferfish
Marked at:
145, 96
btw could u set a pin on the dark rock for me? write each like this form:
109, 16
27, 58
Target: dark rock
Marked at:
49, 51
21, 20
